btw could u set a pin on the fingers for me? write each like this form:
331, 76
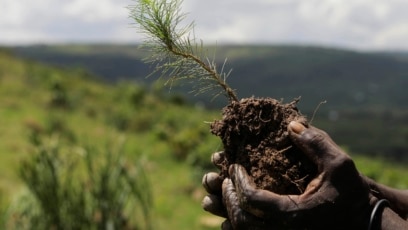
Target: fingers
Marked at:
316, 144
280, 210
242, 181
251, 208
238, 218
231, 201
338, 168
261, 203
229, 207
246, 191
213, 204
212, 181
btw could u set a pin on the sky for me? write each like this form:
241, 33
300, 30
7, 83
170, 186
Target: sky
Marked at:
353, 24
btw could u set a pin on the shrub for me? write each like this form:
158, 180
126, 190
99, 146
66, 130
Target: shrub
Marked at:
77, 188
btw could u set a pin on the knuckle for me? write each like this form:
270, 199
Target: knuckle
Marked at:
317, 138
314, 136
344, 162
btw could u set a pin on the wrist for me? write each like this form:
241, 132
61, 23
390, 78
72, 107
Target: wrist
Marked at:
376, 216
391, 221
385, 218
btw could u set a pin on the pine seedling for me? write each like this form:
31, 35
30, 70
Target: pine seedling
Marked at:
253, 130
175, 51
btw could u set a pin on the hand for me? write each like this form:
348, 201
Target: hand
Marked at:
212, 182
337, 198
213, 202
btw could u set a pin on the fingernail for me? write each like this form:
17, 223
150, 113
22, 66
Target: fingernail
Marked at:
296, 127
232, 169
207, 202
217, 157
212, 182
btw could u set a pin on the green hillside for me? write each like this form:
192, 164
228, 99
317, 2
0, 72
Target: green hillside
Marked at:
344, 78
169, 134
173, 138
366, 107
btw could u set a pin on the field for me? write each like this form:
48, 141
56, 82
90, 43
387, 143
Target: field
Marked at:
169, 135
364, 92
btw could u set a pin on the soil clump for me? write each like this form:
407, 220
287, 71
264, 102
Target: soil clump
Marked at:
254, 134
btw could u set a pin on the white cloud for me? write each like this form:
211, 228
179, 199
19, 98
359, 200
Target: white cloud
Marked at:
93, 11
365, 24
392, 36
27, 21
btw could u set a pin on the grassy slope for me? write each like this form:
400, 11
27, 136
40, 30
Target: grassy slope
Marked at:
365, 92
172, 137
343, 77
100, 114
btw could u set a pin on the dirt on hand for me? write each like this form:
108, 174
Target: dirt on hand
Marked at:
254, 134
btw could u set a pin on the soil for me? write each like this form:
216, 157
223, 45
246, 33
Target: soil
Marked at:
254, 134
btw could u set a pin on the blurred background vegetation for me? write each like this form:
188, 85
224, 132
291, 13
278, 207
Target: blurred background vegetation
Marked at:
87, 140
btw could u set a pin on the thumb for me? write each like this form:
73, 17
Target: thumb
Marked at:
314, 143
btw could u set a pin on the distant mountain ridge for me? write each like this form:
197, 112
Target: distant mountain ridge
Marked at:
366, 99
342, 77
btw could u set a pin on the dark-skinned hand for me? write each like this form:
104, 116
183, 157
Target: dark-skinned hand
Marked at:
338, 198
